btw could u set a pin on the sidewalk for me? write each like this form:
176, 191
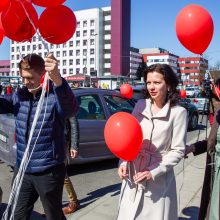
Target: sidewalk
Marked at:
189, 178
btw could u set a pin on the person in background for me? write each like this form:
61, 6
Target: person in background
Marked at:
214, 99
149, 187
72, 137
9, 90
44, 176
210, 199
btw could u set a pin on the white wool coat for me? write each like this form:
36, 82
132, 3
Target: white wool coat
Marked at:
164, 140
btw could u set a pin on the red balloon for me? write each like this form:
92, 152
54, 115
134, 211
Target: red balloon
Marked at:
1, 37
57, 24
16, 23
183, 94
48, 3
126, 91
194, 28
4, 4
123, 135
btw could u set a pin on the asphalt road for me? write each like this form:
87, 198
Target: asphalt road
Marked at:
91, 181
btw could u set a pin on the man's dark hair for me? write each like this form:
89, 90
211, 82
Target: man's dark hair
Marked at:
169, 77
32, 62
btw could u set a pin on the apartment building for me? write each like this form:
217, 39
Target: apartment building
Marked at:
159, 55
192, 70
4, 67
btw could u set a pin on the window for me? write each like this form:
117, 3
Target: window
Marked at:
77, 43
71, 62
92, 41
58, 53
77, 61
92, 32
91, 60
51, 46
71, 71
92, 23
12, 57
84, 52
34, 47
78, 24
84, 33
91, 51
28, 47
71, 53
39, 46
84, 70
84, 61
77, 70
77, 52
23, 47
84, 23
64, 71
64, 45
78, 34
84, 42
64, 53
117, 104
71, 43
64, 62
90, 108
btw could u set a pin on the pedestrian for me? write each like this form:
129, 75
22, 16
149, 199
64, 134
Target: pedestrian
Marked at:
9, 90
72, 137
214, 102
210, 204
149, 187
45, 172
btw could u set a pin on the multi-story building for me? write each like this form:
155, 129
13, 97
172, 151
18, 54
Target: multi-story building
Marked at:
135, 61
192, 70
159, 55
89, 50
4, 67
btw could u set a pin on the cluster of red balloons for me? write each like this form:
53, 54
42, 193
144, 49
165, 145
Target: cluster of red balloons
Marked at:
194, 28
19, 20
123, 135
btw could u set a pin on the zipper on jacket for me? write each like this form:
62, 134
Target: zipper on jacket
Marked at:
28, 120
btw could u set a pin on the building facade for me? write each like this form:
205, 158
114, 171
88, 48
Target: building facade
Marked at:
4, 67
91, 50
192, 70
159, 55
135, 61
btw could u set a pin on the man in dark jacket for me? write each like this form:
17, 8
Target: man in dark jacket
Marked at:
45, 172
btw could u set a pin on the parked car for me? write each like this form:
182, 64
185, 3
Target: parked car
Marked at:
190, 92
96, 106
202, 103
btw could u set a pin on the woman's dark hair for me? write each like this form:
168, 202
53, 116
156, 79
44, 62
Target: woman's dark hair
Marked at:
32, 62
169, 77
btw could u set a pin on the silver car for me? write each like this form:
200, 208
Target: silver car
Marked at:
96, 106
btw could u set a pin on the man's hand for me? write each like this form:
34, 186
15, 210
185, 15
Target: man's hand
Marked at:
140, 176
73, 153
51, 66
122, 171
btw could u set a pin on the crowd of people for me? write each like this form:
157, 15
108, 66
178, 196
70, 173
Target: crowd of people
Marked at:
148, 188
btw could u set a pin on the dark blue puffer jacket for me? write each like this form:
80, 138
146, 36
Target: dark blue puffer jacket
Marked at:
50, 147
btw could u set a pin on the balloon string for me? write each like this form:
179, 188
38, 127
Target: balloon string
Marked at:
46, 46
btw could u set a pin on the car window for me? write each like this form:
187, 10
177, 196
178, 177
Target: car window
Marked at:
118, 104
90, 108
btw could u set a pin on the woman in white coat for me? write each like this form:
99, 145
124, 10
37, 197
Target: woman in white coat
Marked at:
149, 188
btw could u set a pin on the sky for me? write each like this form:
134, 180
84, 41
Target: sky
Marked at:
153, 25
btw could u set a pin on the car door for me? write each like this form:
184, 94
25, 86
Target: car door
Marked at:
7, 139
92, 119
